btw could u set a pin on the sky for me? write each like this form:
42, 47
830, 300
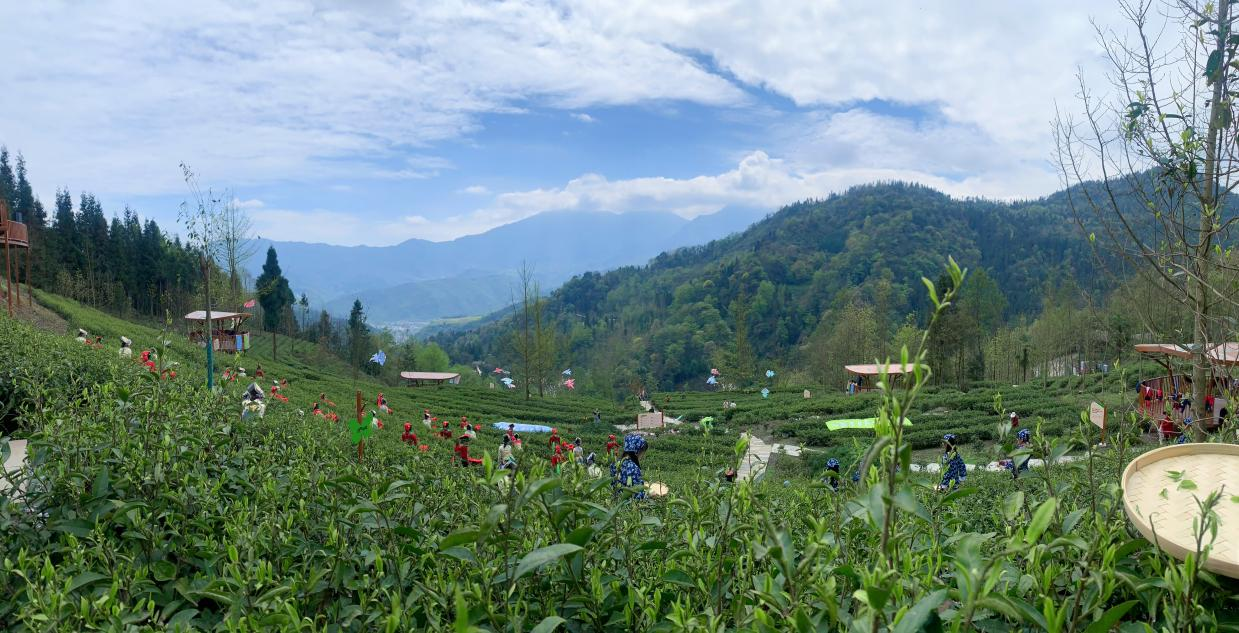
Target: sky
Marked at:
377, 121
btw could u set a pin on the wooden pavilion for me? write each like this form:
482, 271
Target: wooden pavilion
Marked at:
14, 236
867, 375
227, 333
419, 378
1222, 357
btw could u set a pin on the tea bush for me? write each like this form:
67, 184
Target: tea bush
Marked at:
150, 506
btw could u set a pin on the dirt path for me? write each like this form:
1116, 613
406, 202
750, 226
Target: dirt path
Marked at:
15, 462
758, 457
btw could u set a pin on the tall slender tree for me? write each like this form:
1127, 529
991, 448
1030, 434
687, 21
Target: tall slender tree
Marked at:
274, 295
358, 335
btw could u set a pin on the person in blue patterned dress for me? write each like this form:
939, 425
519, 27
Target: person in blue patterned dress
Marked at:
832, 473
1022, 440
626, 473
956, 471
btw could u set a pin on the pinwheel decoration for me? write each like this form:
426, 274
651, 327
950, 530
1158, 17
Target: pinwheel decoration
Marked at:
770, 373
498, 370
707, 424
379, 357
360, 430
507, 381
765, 393
570, 383
251, 303
567, 372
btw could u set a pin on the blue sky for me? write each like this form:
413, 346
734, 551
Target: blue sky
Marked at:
379, 121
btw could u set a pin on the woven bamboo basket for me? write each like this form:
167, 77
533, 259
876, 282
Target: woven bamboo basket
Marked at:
1166, 514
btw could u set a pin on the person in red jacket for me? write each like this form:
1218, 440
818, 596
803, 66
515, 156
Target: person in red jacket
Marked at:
612, 448
557, 457
408, 437
462, 451
445, 432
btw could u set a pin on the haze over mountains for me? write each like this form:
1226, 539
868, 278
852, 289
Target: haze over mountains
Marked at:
419, 280
794, 274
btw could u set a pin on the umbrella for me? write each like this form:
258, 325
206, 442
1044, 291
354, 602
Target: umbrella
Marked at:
866, 423
765, 393
379, 357
711, 380
567, 372
770, 373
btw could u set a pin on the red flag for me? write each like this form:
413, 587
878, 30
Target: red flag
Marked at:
250, 303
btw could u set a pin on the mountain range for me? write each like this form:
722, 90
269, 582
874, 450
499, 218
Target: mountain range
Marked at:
419, 280
667, 323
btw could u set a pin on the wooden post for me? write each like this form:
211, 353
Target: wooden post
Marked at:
17, 277
361, 445
29, 288
8, 272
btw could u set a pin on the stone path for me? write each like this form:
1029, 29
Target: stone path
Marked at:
17, 458
758, 457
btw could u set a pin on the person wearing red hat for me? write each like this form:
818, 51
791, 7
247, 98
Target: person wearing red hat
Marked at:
612, 448
462, 451
445, 432
557, 458
409, 437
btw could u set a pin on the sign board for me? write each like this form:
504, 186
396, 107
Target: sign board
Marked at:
1097, 414
650, 420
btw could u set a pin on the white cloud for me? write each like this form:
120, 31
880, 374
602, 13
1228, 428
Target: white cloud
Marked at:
583, 117
252, 203
115, 94
475, 190
296, 90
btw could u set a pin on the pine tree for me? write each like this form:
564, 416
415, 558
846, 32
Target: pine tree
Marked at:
274, 295
8, 186
358, 335
23, 196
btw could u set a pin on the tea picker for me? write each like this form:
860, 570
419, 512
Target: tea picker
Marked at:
252, 405
956, 471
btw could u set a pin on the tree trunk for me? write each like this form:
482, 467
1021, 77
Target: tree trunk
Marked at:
210, 331
274, 335
1198, 287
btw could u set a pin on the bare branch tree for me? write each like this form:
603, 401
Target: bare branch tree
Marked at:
1149, 167
237, 246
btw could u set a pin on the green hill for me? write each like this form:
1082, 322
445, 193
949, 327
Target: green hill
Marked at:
792, 275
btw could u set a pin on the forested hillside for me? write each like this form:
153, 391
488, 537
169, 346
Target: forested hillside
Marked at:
780, 291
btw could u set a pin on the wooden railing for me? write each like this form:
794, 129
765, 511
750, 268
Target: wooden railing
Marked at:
15, 234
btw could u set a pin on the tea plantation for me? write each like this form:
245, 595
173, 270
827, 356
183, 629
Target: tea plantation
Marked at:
149, 504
